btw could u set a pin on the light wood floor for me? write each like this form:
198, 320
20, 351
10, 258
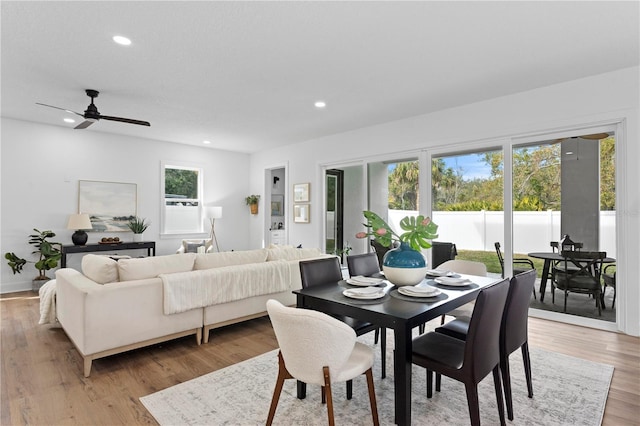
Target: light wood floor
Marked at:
42, 381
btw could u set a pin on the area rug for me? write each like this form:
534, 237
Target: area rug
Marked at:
567, 391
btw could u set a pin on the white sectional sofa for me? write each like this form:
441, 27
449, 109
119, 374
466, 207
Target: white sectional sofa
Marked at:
115, 306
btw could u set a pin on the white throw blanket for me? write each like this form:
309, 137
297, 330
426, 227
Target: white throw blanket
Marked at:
48, 303
184, 291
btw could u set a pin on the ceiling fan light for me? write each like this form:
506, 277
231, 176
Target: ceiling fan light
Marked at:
69, 120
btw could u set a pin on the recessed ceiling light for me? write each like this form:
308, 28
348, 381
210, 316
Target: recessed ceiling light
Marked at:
69, 120
206, 142
320, 104
122, 40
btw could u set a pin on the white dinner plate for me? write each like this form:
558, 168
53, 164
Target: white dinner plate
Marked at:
419, 291
440, 273
364, 293
453, 282
364, 281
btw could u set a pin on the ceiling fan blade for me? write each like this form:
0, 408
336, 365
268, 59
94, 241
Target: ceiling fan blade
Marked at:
85, 124
595, 136
63, 109
125, 120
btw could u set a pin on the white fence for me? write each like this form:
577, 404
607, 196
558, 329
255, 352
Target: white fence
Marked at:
532, 231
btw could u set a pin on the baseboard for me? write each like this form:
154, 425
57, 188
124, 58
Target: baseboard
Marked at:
15, 287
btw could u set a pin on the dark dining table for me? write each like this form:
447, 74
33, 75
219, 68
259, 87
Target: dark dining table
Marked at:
549, 257
397, 312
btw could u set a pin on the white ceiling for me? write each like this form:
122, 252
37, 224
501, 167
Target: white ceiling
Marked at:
245, 75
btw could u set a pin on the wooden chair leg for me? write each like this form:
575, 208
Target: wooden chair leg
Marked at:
282, 375
375, 338
372, 397
429, 383
438, 381
421, 328
506, 381
527, 367
473, 403
500, 402
349, 389
327, 390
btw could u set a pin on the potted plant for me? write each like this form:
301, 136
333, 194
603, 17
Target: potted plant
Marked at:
252, 202
404, 265
138, 225
49, 256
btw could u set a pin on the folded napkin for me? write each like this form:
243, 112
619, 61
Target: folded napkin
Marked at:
366, 280
439, 273
365, 291
419, 291
452, 281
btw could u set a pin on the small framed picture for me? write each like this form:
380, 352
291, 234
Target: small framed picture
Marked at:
277, 205
301, 192
301, 213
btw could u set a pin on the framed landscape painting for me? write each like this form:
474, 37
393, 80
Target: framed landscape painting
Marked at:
110, 205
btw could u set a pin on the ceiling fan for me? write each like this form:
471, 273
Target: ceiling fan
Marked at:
91, 114
593, 137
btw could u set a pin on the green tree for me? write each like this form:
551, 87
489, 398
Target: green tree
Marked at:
403, 186
607, 174
181, 182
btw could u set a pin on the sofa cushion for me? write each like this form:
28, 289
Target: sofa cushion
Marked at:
151, 267
292, 253
229, 258
100, 269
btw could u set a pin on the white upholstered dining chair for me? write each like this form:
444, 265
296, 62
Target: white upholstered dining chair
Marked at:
468, 267
316, 348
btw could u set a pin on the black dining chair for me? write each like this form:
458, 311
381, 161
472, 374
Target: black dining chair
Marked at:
441, 252
364, 264
514, 332
327, 270
519, 264
580, 272
471, 360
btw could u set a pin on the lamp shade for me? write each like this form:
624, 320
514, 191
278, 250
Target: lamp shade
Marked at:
214, 212
79, 221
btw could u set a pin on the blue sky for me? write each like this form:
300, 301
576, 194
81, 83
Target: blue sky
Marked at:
472, 166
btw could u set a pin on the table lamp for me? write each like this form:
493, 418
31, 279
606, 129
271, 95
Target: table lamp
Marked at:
214, 213
79, 222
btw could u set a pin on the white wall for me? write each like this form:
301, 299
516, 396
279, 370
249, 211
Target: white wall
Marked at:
41, 166
600, 99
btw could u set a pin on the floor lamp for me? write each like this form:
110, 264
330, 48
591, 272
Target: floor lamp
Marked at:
214, 213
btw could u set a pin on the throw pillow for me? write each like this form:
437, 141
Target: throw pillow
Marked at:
100, 269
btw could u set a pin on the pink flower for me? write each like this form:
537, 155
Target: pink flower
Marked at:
426, 221
361, 235
381, 231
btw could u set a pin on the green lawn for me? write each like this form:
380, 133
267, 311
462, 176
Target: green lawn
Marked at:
490, 258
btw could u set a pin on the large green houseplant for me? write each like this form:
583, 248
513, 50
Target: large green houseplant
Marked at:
48, 256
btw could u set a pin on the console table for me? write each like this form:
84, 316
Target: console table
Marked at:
89, 248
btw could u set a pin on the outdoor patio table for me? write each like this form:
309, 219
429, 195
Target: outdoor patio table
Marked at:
553, 257
395, 313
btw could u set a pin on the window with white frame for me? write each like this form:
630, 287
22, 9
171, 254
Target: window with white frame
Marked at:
182, 198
